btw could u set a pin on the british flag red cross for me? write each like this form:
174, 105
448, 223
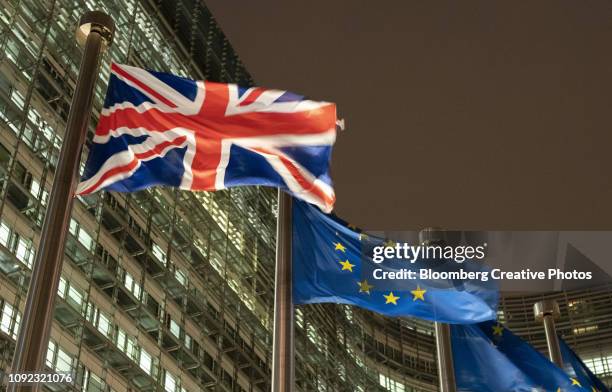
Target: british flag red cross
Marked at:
161, 129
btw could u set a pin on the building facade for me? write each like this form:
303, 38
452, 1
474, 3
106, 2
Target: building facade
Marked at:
164, 290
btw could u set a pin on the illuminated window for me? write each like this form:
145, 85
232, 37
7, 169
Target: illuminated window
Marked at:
169, 382
81, 234
501, 317
159, 253
181, 277
92, 382
74, 227
145, 362
348, 312
75, 296
85, 239
391, 385
104, 324
9, 320
50, 353
132, 285
24, 252
61, 289
126, 344
58, 359
5, 233
579, 306
175, 329
599, 365
63, 362
299, 318
586, 329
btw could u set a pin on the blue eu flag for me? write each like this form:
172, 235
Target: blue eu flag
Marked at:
490, 358
331, 263
574, 366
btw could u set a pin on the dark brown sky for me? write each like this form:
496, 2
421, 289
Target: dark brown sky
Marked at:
461, 114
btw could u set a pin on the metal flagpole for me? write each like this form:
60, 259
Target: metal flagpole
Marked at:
283, 346
95, 32
547, 311
446, 368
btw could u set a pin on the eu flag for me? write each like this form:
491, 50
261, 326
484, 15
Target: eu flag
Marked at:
574, 366
490, 358
331, 264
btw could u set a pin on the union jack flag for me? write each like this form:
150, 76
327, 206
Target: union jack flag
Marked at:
161, 129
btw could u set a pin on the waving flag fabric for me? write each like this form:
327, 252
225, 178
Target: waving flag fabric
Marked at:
490, 358
160, 129
331, 263
574, 366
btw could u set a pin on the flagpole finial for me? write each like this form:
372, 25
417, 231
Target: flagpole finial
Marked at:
432, 236
99, 22
544, 308
340, 124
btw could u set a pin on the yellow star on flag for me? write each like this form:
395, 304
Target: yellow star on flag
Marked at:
340, 247
390, 244
346, 265
352, 226
418, 293
559, 390
391, 299
498, 330
364, 286
575, 382
593, 389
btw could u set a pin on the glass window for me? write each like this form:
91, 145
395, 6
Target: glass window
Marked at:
73, 227
94, 383
6, 319
132, 285
181, 277
75, 295
50, 353
104, 325
136, 290
85, 239
5, 233
121, 339
169, 382
64, 361
145, 361
61, 290
23, 252
159, 253
175, 329
34, 187
391, 385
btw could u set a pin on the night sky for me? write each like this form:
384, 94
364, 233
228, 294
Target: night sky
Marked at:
460, 114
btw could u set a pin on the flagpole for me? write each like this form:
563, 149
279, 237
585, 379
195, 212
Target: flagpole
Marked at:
95, 32
547, 311
446, 367
283, 344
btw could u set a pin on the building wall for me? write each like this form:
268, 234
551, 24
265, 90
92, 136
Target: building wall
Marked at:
159, 289
162, 289
585, 324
